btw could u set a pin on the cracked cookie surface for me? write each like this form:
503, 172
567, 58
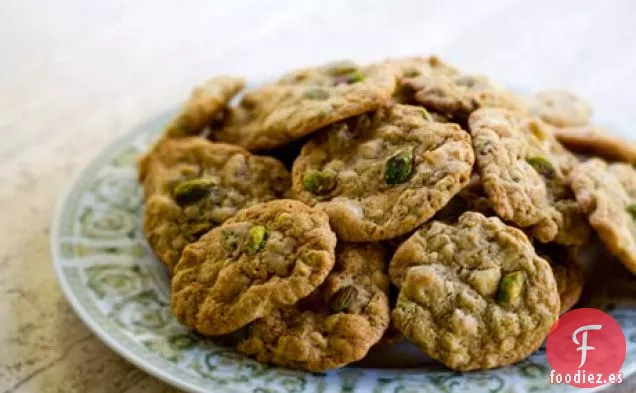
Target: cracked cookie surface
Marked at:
304, 101
474, 295
442, 88
205, 104
336, 325
192, 185
607, 193
524, 172
265, 257
382, 174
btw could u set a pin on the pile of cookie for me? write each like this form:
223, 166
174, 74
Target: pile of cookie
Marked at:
288, 215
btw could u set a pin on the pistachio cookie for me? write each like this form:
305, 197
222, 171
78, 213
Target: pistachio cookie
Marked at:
192, 185
561, 108
383, 174
607, 193
568, 272
305, 101
524, 172
474, 295
206, 103
267, 256
598, 142
336, 325
444, 89
407, 68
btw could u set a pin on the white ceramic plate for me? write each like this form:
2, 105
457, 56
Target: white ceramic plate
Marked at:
116, 286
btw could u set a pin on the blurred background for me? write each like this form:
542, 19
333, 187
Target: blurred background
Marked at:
75, 74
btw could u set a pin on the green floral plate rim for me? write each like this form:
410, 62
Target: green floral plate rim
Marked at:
117, 288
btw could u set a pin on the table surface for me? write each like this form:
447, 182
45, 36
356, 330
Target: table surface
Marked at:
76, 74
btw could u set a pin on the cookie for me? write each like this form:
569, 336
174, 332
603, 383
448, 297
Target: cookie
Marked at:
560, 108
607, 193
406, 68
413, 66
524, 173
192, 185
442, 88
568, 272
474, 295
206, 103
267, 256
336, 325
305, 101
383, 174
598, 142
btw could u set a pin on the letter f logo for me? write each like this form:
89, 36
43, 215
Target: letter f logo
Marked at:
584, 347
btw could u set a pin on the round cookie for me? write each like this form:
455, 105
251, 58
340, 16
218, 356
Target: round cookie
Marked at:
561, 108
383, 174
524, 174
192, 185
305, 101
267, 256
567, 270
206, 103
336, 325
607, 193
442, 88
474, 295
407, 68
598, 142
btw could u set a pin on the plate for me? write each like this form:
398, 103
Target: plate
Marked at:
121, 292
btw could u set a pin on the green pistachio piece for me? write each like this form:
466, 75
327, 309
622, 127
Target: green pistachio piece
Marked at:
230, 239
426, 115
631, 209
343, 299
542, 166
190, 191
350, 78
319, 182
510, 287
256, 239
398, 168
357, 76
